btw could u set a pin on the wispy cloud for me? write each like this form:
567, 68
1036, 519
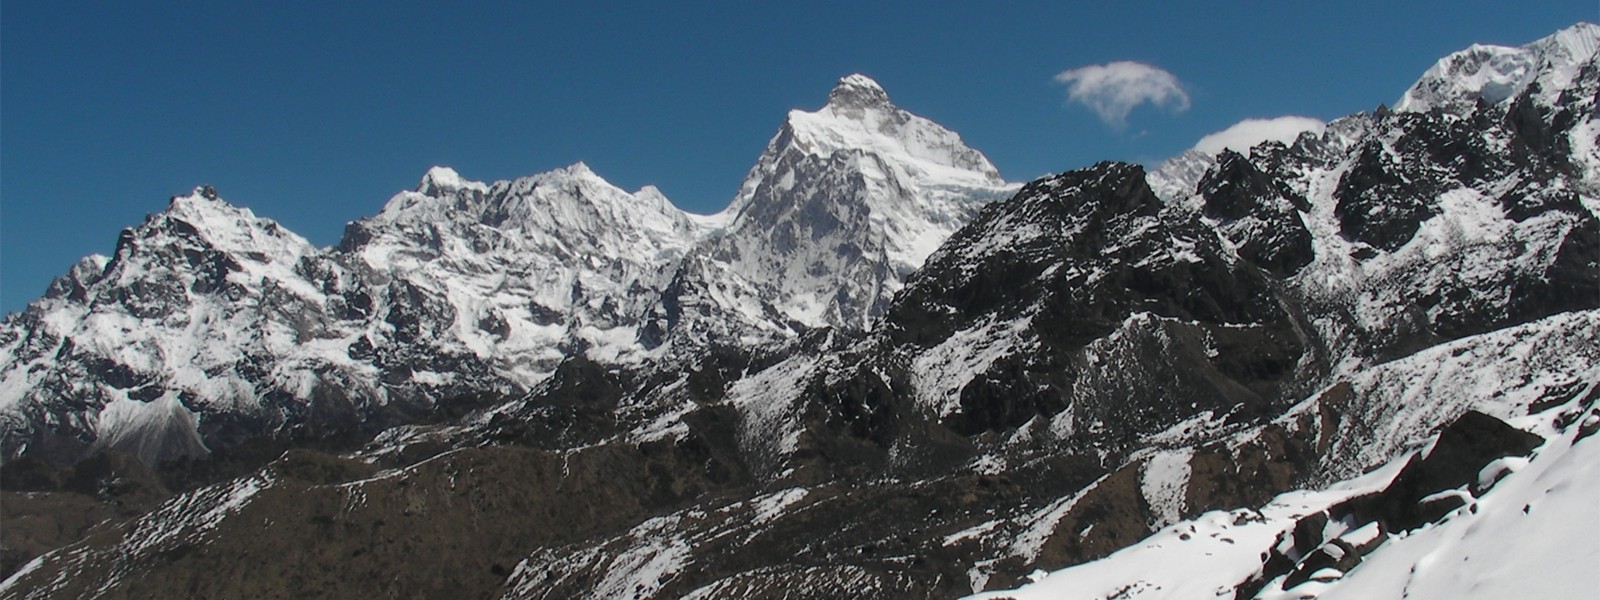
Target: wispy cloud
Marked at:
1244, 135
1113, 89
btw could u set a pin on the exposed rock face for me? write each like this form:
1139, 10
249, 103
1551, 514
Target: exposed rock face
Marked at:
805, 389
1463, 449
1384, 200
1092, 269
1258, 214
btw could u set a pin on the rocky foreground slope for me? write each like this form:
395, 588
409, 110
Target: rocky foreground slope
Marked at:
482, 392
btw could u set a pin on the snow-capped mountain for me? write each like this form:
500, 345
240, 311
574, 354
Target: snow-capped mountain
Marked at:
843, 204
1247, 374
526, 272
205, 309
462, 288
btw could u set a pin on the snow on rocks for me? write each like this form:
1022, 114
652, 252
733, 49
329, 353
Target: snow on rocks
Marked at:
1219, 553
1164, 481
943, 370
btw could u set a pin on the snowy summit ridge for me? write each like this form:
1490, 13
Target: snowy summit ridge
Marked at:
860, 116
1496, 74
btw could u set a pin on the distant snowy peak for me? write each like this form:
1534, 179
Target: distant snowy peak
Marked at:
860, 116
201, 235
230, 228
843, 203
1249, 133
577, 198
572, 200
1496, 74
524, 272
445, 180
1175, 178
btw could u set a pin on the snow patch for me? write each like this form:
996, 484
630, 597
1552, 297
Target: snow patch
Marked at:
1164, 482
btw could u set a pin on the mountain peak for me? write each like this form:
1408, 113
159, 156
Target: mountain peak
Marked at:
577, 169
203, 202
441, 179
1495, 74
857, 91
1579, 40
860, 117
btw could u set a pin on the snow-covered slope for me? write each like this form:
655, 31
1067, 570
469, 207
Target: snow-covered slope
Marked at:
1531, 536
1548, 389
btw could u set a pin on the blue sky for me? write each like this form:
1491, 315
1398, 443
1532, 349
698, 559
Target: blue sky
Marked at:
314, 114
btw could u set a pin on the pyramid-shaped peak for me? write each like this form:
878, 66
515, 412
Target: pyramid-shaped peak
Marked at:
858, 91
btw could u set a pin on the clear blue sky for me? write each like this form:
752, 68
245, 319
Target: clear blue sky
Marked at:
314, 114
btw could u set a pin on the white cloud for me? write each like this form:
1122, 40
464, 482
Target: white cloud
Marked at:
1244, 135
1113, 89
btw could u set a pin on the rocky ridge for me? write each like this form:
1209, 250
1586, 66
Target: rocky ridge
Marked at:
1105, 355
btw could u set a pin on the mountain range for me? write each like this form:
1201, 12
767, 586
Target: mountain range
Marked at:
882, 371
